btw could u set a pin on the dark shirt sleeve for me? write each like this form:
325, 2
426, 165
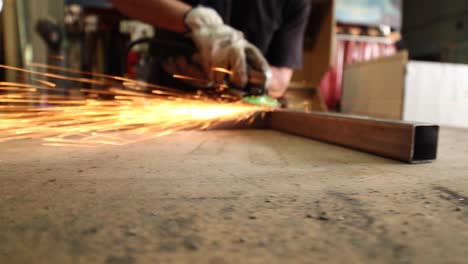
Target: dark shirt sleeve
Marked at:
286, 47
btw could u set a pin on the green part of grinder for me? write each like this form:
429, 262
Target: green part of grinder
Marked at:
263, 100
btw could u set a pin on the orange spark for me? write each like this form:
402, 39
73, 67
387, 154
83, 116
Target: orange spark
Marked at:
85, 120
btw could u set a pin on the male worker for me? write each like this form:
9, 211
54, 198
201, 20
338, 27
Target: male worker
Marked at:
228, 33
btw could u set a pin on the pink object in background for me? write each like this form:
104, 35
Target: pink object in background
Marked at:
349, 52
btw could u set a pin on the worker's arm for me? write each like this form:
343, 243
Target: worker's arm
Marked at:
281, 77
286, 50
219, 45
167, 14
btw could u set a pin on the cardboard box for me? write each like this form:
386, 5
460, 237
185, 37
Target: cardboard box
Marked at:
396, 88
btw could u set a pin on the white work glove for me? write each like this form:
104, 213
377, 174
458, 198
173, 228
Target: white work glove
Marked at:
222, 46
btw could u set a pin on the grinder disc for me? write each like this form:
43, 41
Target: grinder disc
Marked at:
263, 100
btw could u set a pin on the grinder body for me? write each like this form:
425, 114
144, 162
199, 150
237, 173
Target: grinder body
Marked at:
162, 49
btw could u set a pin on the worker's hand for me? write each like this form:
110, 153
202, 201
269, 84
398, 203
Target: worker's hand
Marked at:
222, 46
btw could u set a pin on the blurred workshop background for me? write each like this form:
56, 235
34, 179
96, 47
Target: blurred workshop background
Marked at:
101, 169
381, 58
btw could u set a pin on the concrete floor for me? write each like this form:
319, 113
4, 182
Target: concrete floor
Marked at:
231, 197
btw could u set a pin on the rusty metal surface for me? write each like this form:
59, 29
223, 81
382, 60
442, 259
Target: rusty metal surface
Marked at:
403, 141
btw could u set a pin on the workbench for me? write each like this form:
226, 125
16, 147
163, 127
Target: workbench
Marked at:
237, 196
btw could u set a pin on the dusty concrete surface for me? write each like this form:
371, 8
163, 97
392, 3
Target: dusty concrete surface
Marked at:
231, 197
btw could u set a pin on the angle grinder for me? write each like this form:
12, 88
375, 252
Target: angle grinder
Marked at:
255, 92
